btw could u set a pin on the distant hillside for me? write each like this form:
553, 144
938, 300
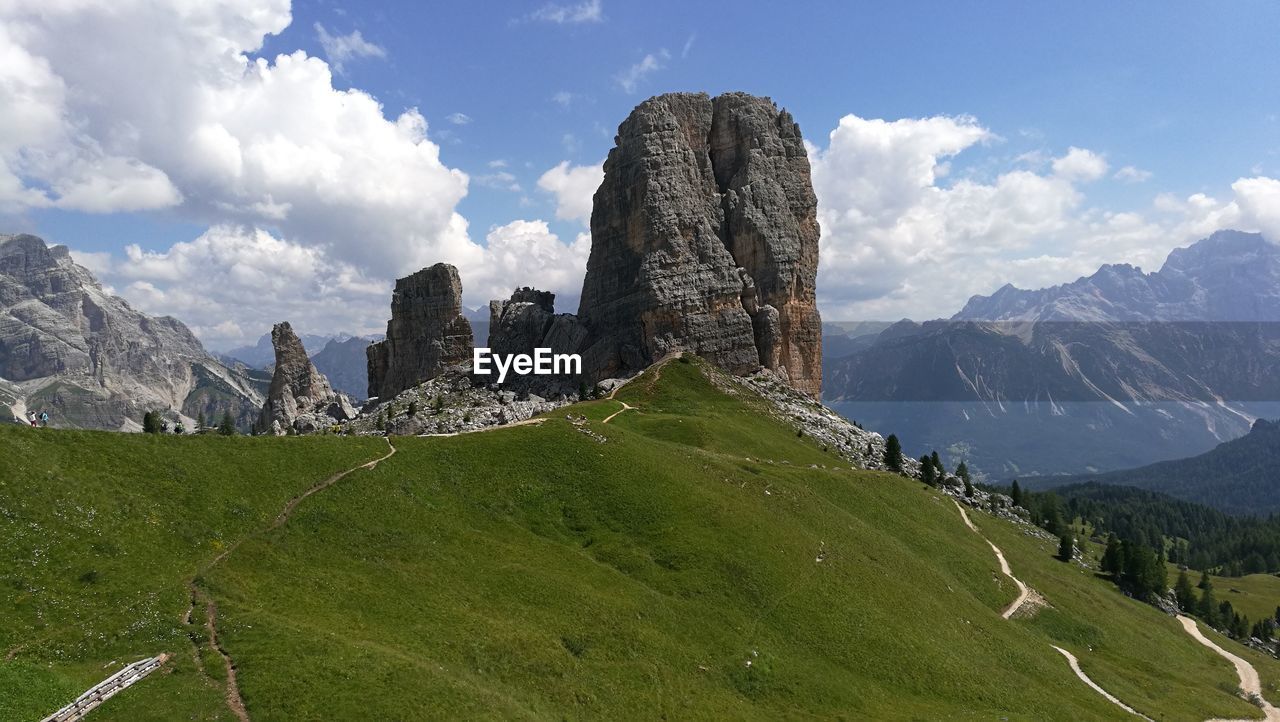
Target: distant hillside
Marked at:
1115, 370
692, 558
1241, 476
1198, 536
346, 364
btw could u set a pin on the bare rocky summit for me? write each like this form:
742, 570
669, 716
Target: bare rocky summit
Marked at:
300, 397
91, 360
704, 238
427, 333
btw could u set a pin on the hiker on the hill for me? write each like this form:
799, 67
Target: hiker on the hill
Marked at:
44, 418
31, 416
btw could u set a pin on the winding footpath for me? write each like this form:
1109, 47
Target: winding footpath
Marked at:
625, 407
1024, 593
1250, 684
1075, 667
235, 702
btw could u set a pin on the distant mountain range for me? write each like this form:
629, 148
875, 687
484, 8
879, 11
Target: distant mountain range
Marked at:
1229, 276
91, 360
1239, 477
1118, 369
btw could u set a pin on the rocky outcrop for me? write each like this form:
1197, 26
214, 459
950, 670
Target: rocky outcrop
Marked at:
705, 239
520, 323
300, 397
91, 360
427, 332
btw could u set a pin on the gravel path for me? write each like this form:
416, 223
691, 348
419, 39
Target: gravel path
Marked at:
1249, 681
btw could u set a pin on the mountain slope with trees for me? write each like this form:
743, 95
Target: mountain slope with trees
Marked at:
1238, 477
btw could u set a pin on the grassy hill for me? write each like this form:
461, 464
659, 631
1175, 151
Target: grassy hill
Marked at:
702, 562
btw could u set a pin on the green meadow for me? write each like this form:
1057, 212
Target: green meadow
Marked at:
703, 562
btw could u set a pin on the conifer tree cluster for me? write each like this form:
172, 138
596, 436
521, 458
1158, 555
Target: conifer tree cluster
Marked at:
1137, 569
893, 453
1219, 615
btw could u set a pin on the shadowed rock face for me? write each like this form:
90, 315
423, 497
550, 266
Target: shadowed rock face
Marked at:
300, 397
427, 332
705, 239
90, 360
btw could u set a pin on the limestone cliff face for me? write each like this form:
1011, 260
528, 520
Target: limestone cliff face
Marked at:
771, 228
300, 397
69, 347
705, 239
427, 332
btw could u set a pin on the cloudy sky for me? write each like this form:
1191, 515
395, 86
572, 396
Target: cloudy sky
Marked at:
238, 162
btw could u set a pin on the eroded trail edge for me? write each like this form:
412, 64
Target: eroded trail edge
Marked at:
234, 700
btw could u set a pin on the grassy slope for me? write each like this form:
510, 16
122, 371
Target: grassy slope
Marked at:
1255, 595
534, 572
1133, 650
100, 531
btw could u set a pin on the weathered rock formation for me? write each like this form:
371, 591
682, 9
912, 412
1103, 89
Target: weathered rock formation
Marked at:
704, 238
520, 323
92, 361
300, 397
427, 332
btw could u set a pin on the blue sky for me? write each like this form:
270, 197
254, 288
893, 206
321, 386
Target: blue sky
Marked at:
1182, 94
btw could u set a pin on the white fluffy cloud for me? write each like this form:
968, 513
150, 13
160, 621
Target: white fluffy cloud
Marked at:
1080, 164
285, 167
573, 187
630, 78
339, 49
588, 11
1131, 174
527, 253
233, 282
901, 238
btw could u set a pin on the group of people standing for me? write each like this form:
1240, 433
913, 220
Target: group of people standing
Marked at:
38, 420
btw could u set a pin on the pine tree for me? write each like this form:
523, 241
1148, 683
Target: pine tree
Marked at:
200, 422
582, 390
149, 425
228, 425
1112, 560
968, 489
937, 464
962, 471
413, 407
1016, 493
893, 454
1185, 594
927, 473
1208, 607
1205, 584
1066, 547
